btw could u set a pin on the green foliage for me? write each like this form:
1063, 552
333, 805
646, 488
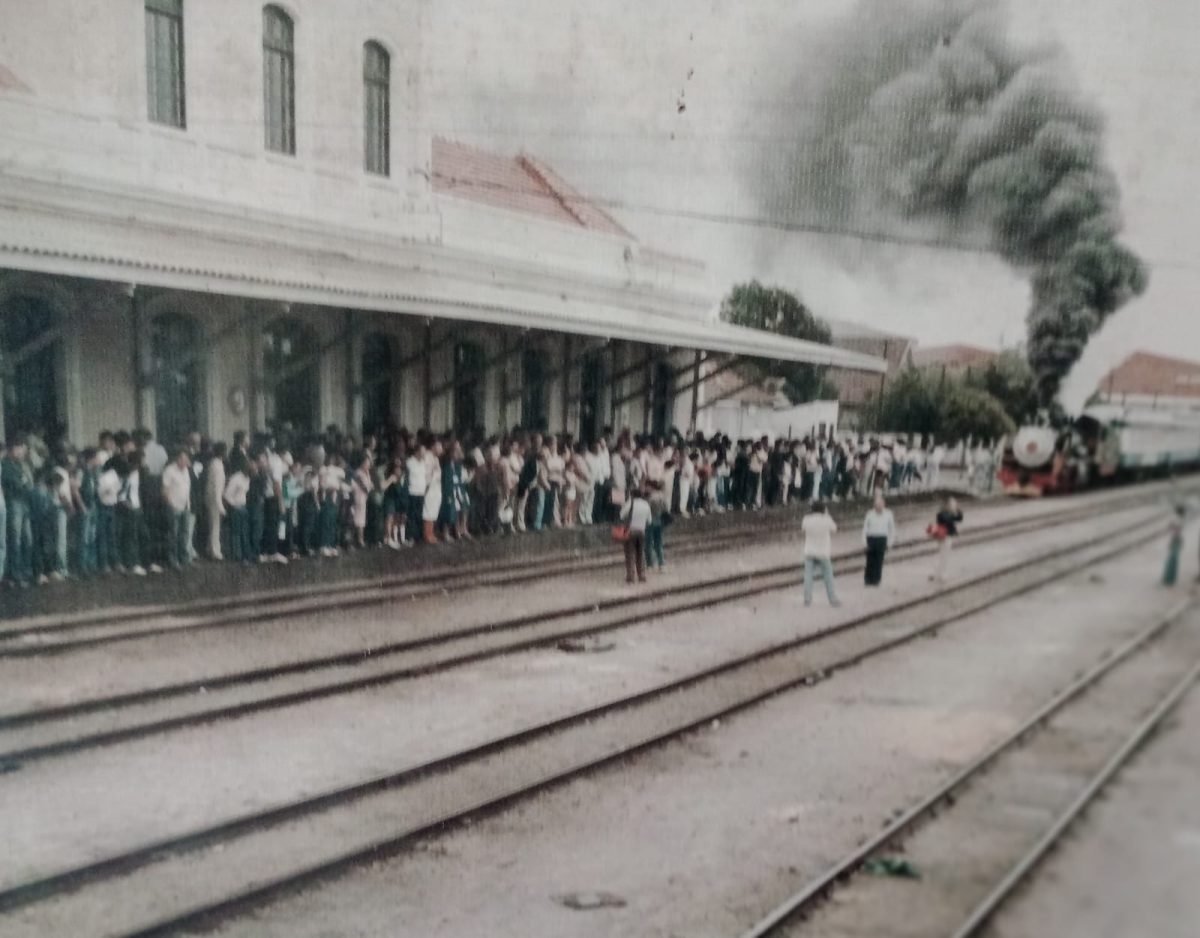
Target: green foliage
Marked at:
1011, 381
776, 310
925, 402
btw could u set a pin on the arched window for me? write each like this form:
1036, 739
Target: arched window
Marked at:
468, 386
31, 346
662, 398
591, 392
175, 344
291, 374
377, 109
165, 95
377, 365
534, 411
279, 80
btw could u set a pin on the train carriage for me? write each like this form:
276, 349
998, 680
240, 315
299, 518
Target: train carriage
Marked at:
1108, 443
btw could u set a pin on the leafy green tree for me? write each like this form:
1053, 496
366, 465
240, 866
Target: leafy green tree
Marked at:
925, 402
772, 309
1010, 380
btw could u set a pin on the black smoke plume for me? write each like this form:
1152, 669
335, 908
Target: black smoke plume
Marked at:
930, 112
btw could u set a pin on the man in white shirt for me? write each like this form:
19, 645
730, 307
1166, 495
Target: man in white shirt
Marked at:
177, 493
819, 529
154, 459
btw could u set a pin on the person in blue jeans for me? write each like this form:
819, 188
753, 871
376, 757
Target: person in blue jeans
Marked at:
654, 529
16, 477
819, 529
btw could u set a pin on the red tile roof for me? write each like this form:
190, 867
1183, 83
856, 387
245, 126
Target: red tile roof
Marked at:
1153, 375
521, 184
952, 356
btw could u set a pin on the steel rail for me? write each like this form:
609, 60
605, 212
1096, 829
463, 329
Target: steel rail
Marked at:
1005, 889
127, 862
763, 581
345, 596
819, 888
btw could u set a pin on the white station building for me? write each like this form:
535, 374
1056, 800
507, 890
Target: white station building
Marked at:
220, 215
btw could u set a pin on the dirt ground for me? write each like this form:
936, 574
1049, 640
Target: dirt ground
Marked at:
702, 837
1131, 865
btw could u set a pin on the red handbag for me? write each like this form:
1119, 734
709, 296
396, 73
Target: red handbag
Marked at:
620, 533
938, 532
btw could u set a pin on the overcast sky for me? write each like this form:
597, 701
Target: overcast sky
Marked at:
595, 87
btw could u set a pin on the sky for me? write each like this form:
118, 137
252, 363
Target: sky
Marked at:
667, 108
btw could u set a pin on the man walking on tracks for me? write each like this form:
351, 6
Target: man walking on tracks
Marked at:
818, 530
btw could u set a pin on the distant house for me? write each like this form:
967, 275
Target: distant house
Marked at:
856, 389
1154, 380
953, 360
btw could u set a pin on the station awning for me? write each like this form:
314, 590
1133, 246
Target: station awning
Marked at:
270, 262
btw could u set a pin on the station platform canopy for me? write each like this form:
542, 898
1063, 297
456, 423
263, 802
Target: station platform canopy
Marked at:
254, 258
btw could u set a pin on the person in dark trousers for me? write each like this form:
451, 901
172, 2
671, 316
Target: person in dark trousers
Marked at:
946, 530
879, 531
636, 515
256, 501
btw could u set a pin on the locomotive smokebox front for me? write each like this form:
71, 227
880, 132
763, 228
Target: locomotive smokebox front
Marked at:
1033, 447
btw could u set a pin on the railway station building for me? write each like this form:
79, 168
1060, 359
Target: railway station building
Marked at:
226, 215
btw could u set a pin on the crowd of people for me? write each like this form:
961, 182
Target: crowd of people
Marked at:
131, 505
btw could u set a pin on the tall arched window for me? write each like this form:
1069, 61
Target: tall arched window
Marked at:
279, 80
468, 386
291, 374
377, 365
165, 97
31, 347
377, 109
534, 411
175, 343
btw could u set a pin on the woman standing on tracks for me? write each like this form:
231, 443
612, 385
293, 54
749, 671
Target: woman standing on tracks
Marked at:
945, 530
879, 531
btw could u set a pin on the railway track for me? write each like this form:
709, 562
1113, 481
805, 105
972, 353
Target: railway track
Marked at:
1034, 783
101, 721
44, 634
61, 634
200, 874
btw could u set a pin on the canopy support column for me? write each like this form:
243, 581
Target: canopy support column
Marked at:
427, 376
695, 391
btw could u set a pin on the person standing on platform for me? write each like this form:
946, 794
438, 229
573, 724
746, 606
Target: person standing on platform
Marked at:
819, 529
416, 471
177, 497
879, 531
945, 530
636, 515
214, 499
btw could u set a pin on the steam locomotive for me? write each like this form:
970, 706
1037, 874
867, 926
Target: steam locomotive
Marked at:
1108, 443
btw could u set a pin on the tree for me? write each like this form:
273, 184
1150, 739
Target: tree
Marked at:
1010, 380
776, 310
921, 401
